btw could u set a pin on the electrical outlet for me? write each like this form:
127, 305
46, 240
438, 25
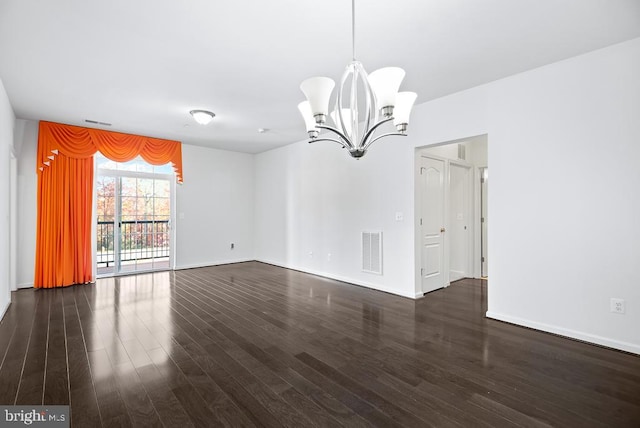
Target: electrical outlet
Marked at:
329, 257
233, 245
617, 306
310, 253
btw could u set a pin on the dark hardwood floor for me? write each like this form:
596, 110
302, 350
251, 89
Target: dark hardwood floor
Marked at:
256, 345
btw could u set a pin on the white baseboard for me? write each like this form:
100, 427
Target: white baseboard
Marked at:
343, 279
585, 337
25, 285
4, 310
457, 275
217, 263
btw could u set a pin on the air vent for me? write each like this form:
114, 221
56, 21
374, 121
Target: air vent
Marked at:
462, 152
95, 122
372, 252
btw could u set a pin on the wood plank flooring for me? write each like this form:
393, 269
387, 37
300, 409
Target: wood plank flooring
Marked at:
256, 345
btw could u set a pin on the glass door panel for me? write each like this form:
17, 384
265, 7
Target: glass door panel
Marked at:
106, 199
134, 223
161, 222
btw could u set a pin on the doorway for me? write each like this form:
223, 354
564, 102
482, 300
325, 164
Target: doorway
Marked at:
134, 211
450, 238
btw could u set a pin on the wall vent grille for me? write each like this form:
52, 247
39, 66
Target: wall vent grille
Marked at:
372, 252
95, 122
462, 152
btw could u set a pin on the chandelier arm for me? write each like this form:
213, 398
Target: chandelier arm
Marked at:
339, 105
372, 130
337, 131
328, 139
371, 110
382, 136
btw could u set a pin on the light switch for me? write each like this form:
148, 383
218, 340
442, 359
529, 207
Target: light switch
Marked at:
399, 216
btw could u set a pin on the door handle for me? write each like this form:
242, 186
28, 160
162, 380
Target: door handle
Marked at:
442, 230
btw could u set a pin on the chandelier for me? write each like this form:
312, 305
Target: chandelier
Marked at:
354, 129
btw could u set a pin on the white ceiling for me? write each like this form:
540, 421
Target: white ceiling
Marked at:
142, 65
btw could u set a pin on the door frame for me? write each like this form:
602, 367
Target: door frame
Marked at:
13, 221
482, 239
118, 174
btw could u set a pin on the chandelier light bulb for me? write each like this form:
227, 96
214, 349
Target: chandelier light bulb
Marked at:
385, 83
307, 115
404, 104
318, 92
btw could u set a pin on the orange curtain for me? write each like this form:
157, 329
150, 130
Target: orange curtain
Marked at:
63, 243
65, 192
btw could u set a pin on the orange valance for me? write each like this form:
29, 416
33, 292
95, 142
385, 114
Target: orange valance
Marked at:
78, 143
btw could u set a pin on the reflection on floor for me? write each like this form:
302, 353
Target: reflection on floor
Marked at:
252, 344
132, 266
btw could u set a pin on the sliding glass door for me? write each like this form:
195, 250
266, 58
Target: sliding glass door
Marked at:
134, 212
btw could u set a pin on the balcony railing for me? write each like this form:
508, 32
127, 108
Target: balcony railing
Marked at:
139, 240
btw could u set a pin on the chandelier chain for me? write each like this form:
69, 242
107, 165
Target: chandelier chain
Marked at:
353, 29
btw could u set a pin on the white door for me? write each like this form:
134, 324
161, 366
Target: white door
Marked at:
432, 223
459, 226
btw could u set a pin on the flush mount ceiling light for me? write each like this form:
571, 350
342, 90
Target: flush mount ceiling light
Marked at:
382, 102
202, 116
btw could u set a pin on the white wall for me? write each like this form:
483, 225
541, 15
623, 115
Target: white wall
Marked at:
564, 199
216, 200
563, 206
214, 208
26, 138
478, 150
7, 121
475, 150
314, 200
